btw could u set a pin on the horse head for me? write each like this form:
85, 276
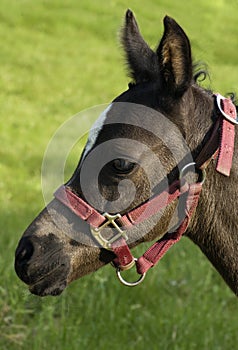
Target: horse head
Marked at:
136, 150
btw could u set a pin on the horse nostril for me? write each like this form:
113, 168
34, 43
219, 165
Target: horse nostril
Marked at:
24, 253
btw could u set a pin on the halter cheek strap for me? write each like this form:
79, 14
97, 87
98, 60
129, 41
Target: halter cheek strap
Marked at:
220, 143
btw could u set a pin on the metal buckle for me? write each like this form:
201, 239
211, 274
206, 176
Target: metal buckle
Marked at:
219, 98
107, 243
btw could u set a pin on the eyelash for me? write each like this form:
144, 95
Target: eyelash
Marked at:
123, 166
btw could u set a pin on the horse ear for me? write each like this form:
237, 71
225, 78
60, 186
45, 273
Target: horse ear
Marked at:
142, 61
174, 53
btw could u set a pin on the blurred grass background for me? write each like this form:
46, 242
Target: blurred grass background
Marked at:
57, 58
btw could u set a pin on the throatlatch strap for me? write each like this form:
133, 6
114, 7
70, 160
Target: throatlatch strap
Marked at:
159, 248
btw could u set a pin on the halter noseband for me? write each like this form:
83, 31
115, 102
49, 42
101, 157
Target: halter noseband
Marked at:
220, 145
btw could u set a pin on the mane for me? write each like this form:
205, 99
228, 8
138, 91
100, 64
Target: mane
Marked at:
233, 97
200, 72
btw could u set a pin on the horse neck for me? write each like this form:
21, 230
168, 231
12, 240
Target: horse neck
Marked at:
214, 227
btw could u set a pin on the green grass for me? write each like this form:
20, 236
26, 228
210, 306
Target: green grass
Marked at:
57, 58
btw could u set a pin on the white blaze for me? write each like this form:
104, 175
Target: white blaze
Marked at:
95, 130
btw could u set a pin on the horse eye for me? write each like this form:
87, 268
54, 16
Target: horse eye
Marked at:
123, 165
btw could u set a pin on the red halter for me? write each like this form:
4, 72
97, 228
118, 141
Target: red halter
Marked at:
124, 260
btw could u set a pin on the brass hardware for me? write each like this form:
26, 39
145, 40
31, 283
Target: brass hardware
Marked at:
97, 232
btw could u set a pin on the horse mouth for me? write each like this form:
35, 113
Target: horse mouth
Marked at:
44, 268
51, 284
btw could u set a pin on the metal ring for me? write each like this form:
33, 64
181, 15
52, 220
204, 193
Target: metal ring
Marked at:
202, 173
126, 283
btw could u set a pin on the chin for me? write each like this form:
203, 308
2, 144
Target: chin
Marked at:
45, 288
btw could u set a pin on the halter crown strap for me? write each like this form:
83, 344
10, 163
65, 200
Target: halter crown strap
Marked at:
226, 150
